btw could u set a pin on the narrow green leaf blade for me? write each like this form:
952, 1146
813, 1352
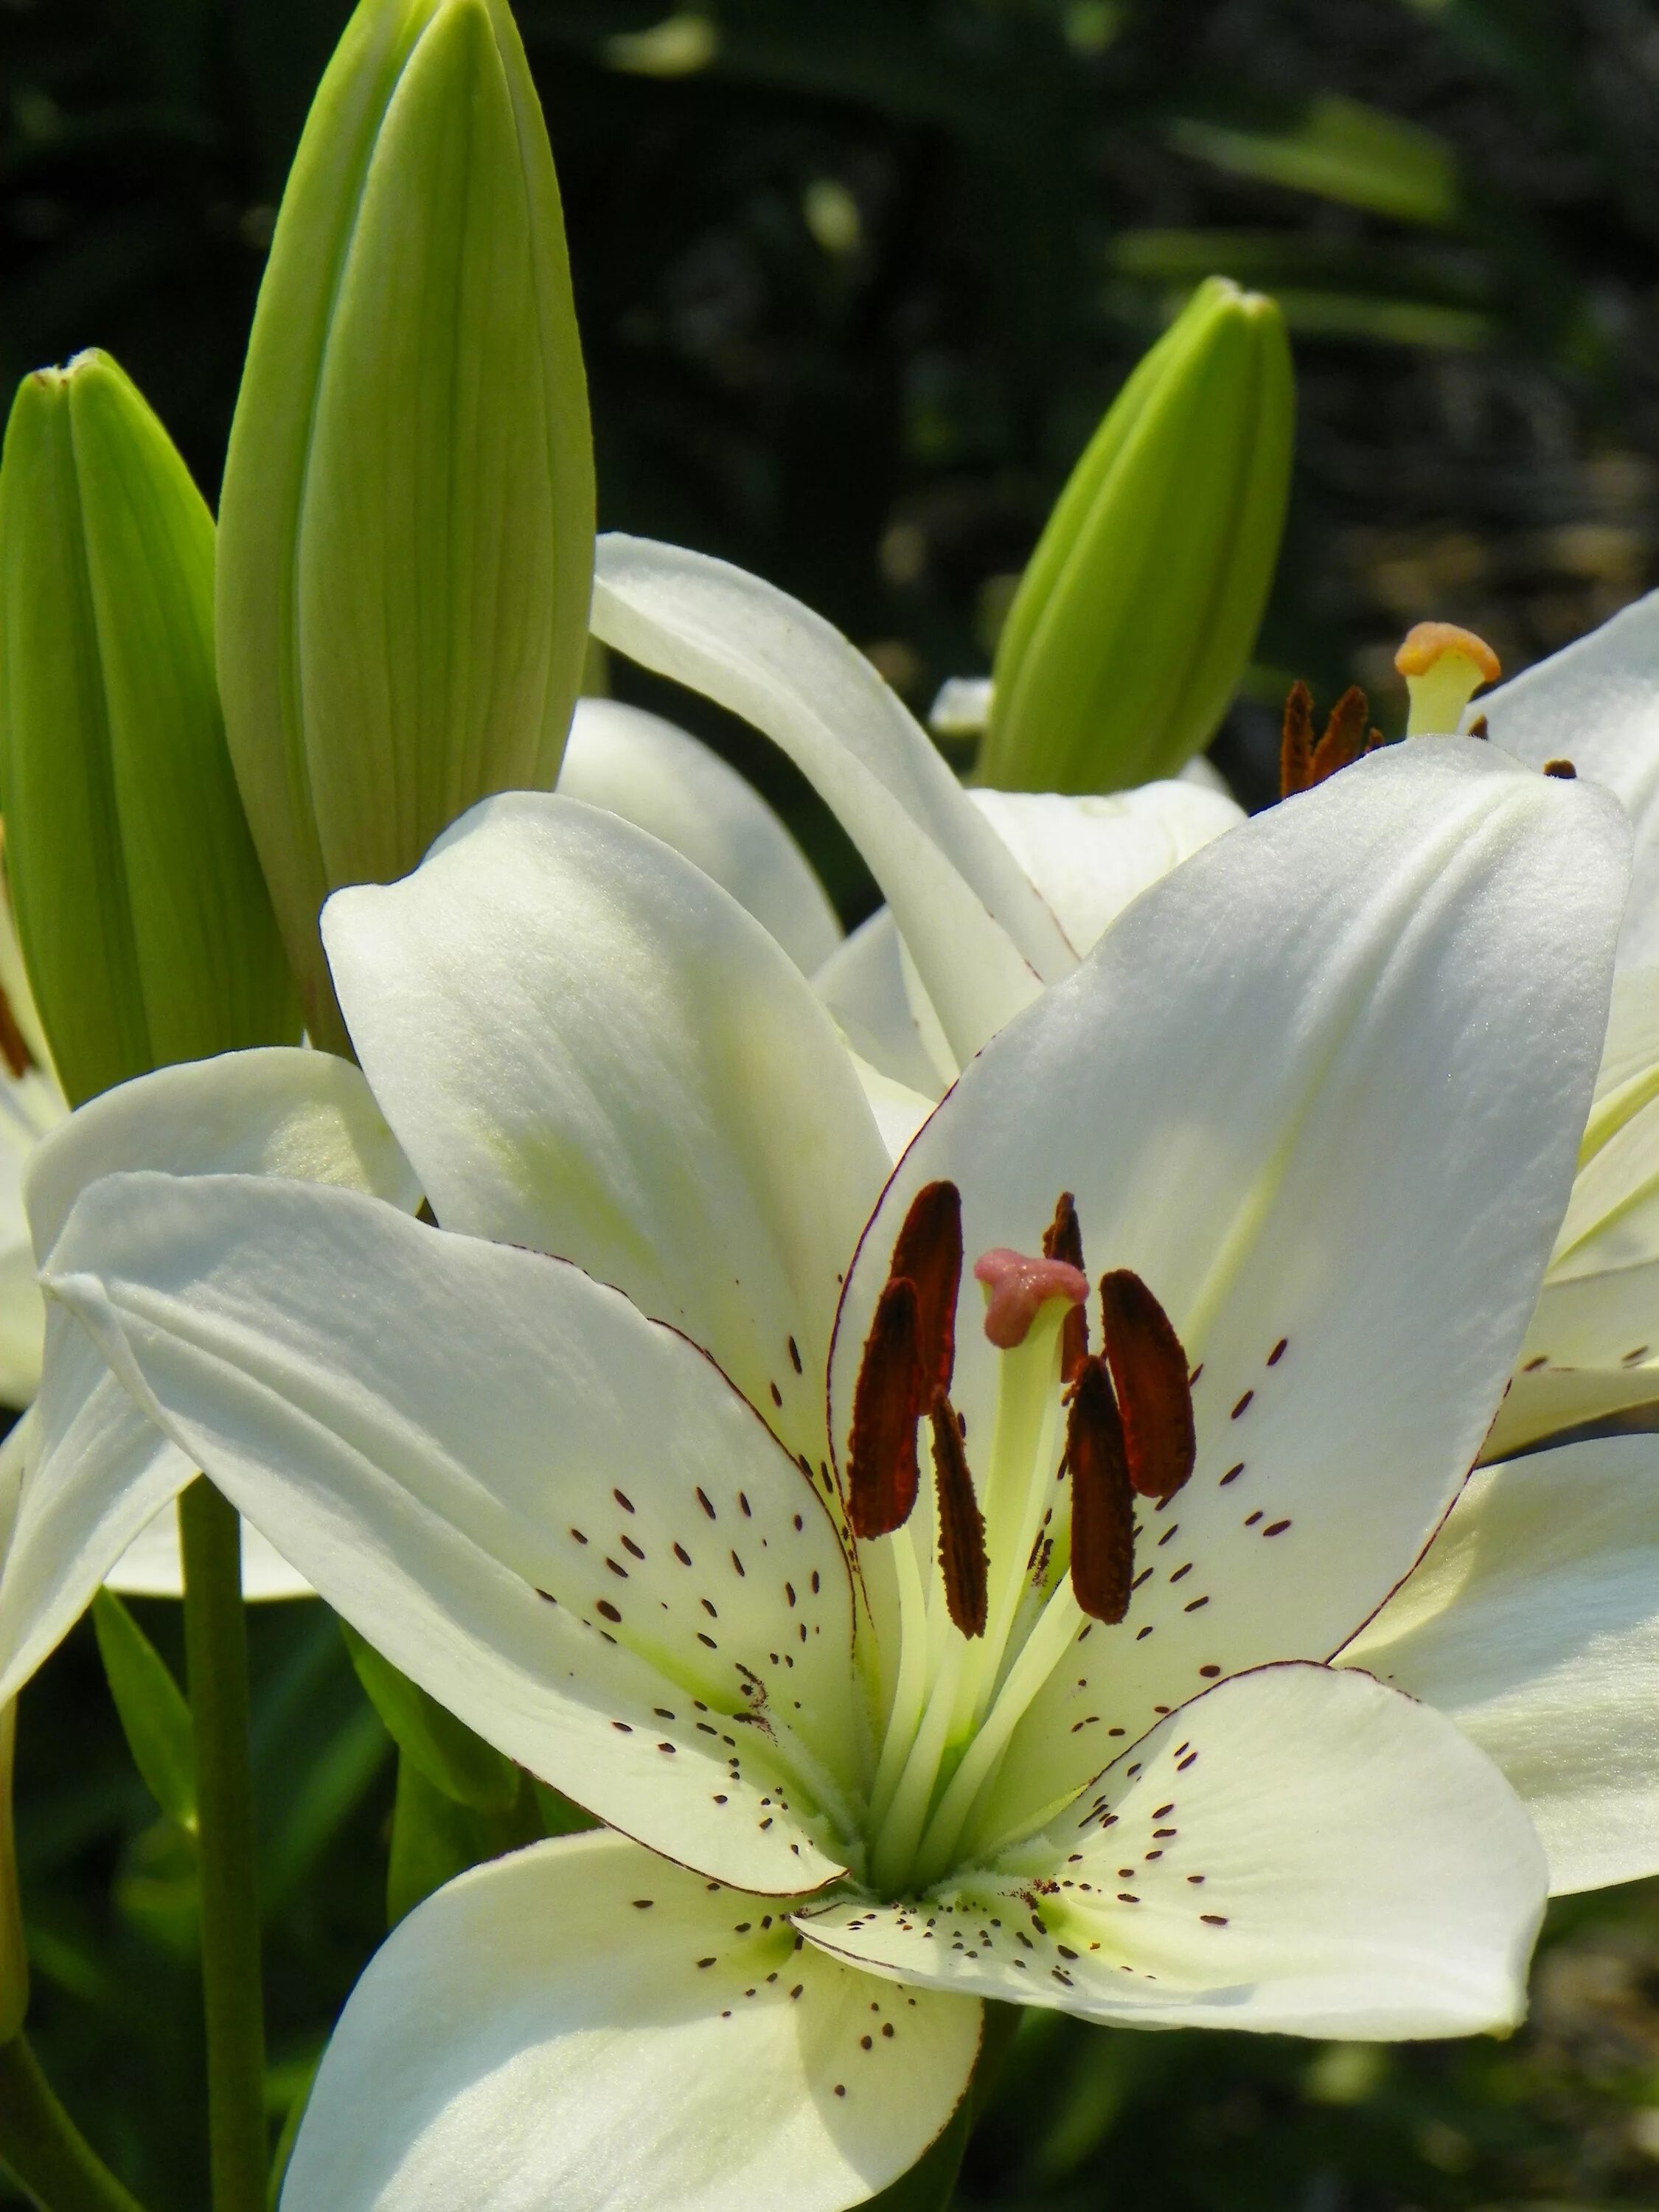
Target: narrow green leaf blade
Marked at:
456, 1764
154, 1717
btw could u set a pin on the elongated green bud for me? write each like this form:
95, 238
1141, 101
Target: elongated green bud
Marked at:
1136, 618
406, 531
144, 922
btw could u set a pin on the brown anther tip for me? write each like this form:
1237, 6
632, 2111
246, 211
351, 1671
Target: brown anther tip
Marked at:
1563, 768
1478, 728
1426, 642
1102, 1501
882, 1472
962, 1557
1149, 1370
928, 1253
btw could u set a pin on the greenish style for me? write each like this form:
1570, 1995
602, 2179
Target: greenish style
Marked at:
406, 538
145, 924
154, 1716
1136, 618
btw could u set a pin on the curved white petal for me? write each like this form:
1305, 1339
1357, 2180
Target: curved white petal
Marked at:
554, 1515
661, 779
863, 984
1298, 1850
981, 936
582, 2026
1533, 1623
1089, 856
587, 1046
100, 1473
1592, 1349
1321, 1088
31, 1108
1596, 703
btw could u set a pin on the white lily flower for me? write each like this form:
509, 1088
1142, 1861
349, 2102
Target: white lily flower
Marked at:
1592, 709
989, 896
1318, 1089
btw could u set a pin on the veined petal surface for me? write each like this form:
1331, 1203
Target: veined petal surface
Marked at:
582, 2025
99, 1472
982, 938
589, 1047
555, 1516
1596, 703
663, 780
1321, 1088
1298, 1850
1533, 1621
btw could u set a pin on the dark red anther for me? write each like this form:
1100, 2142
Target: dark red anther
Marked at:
1103, 1503
882, 1472
1063, 1240
1302, 762
1149, 1377
13, 1048
962, 1554
928, 1254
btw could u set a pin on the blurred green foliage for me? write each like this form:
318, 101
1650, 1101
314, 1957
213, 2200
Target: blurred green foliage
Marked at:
856, 281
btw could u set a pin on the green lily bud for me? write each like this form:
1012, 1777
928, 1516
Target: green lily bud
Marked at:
1136, 618
145, 924
406, 529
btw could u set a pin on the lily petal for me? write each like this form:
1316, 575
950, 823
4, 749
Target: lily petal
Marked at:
99, 1472
661, 779
582, 2025
553, 1514
863, 985
589, 1047
1298, 1850
1089, 856
1592, 1349
1596, 703
1347, 1230
152, 1567
31, 1107
1533, 1622
981, 938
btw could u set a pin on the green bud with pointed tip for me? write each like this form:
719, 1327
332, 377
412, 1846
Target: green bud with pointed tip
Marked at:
406, 529
1136, 618
144, 922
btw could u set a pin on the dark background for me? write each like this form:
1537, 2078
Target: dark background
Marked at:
854, 287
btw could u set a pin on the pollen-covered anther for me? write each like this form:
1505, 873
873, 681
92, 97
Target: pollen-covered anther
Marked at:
962, 1554
1103, 1502
928, 1253
1149, 1377
1063, 1240
1018, 1286
1443, 667
882, 1470
1304, 761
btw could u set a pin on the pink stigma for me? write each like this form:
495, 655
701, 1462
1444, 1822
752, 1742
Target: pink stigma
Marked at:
1018, 1285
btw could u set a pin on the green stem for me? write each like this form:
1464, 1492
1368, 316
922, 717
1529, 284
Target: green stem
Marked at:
215, 1651
41, 2147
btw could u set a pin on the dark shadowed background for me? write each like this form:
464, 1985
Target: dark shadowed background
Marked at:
856, 278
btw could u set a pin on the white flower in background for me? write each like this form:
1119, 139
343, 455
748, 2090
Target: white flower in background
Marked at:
989, 896
1315, 1097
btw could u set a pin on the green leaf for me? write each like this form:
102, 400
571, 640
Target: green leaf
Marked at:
1337, 148
154, 1715
456, 1764
434, 1838
559, 1816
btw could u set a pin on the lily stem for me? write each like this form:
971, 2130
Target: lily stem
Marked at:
43, 2149
216, 1653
